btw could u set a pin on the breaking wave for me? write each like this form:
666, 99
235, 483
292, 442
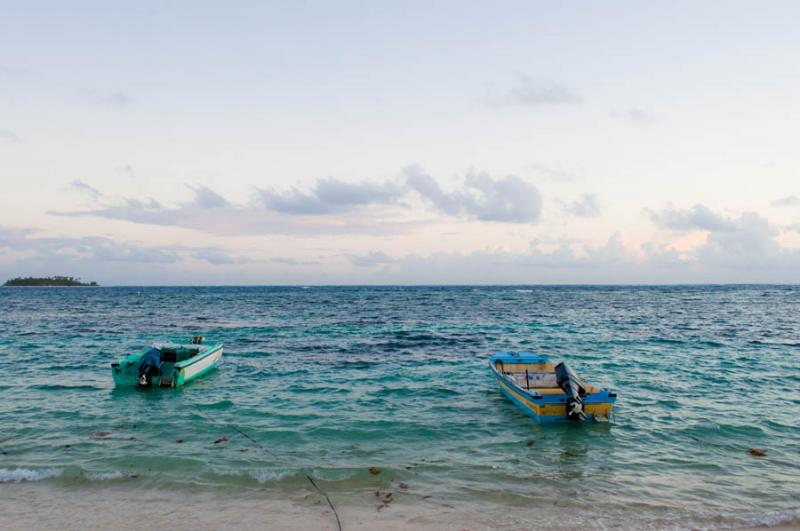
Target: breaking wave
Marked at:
17, 475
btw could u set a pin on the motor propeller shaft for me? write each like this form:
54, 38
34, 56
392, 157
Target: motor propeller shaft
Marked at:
575, 389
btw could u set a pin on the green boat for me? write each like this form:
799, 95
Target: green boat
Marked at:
167, 364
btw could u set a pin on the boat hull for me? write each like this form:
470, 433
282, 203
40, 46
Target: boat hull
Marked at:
551, 407
126, 371
195, 369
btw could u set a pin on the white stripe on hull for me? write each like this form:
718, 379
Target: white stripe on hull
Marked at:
206, 362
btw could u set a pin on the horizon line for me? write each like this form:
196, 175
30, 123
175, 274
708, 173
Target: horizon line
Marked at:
512, 285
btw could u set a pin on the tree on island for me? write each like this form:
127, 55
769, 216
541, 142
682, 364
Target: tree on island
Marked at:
48, 281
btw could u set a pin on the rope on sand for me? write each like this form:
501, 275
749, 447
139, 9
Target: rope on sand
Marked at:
273, 454
338, 522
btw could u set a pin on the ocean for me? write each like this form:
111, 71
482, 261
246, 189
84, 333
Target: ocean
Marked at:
329, 382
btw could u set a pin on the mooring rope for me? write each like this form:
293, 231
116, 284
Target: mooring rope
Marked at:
336, 514
273, 454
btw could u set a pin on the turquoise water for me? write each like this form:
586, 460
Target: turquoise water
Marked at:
332, 381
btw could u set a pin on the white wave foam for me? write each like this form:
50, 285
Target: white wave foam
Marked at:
100, 476
16, 475
265, 476
773, 519
713, 522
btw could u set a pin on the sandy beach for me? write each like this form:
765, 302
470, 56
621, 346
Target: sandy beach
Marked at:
37, 506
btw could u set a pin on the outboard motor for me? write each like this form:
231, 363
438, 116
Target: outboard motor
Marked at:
149, 367
575, 389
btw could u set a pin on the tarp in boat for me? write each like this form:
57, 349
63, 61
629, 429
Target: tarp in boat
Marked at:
151, 363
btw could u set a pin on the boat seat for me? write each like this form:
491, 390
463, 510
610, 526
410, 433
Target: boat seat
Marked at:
535, 379
543, 379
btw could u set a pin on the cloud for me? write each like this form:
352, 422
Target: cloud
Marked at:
585, 206
107, 250
699, 217
739, 249
294, 202
9, 137
25, 251
372, 259
750, 246
788, 201
607, 263
118, 99
126, 170
134, 210
236, 220
10, 236
82, 187
745, 243
332, 206
748, 255
208, 198
87, 248
329, 196
13, 72
427, 187
736, 249
101, 253
150, 211
293, 262
529, 91
509, 200
635, 116
216, 256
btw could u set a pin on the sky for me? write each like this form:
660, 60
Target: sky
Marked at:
162, 143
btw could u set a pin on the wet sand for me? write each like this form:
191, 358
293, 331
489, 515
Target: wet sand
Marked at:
25, 506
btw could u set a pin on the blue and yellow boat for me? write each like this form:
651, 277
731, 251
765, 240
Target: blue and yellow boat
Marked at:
549, 392
167, 365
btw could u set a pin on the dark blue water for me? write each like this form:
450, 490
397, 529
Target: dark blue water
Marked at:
332, 381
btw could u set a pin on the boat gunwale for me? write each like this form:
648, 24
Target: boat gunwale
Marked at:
601, 396
194, 359
517, 357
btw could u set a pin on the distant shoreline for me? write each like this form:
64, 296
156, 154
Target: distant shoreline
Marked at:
55, 281
328, 286
56, 286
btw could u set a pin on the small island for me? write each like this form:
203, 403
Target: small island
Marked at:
47, 281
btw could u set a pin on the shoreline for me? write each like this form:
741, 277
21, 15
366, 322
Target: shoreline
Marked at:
109, 504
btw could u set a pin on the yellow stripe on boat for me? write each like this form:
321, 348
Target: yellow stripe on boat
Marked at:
514, 371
